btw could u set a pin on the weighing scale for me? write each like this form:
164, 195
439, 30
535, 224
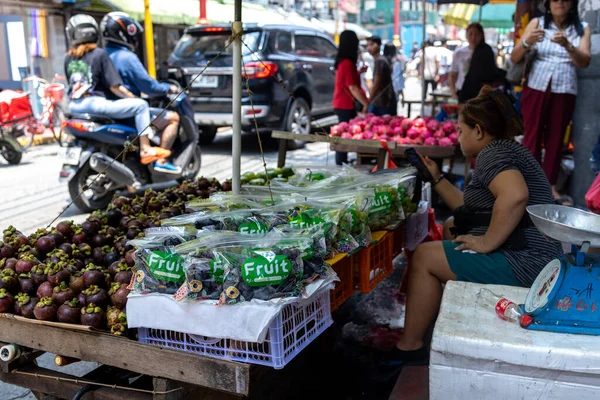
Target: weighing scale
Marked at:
566, 295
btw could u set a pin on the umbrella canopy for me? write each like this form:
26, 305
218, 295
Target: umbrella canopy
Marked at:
476, 2
492, 15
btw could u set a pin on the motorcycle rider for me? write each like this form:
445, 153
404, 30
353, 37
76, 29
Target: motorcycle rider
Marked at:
93, 79
120, 33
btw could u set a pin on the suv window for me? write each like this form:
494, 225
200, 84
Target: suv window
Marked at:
284, 42
193, 45
308, 46
327, 49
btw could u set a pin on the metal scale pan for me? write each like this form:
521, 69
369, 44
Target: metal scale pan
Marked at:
566, 224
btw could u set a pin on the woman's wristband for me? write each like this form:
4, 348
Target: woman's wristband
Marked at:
438, 180
525, 44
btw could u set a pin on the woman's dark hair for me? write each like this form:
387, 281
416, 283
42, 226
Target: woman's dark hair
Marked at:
477, 26
493, 111
389, 52
572, 18
348, 49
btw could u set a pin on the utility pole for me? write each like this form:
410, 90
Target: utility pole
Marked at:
149, 39
202, 19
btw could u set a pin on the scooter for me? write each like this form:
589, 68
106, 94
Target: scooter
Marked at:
95, 172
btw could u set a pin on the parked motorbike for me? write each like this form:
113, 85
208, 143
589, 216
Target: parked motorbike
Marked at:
91, 168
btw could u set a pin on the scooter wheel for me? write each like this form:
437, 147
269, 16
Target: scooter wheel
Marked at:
10, 352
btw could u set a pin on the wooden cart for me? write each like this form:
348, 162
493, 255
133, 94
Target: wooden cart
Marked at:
130, 370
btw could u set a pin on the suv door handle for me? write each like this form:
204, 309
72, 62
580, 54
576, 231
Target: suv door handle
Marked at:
307, 67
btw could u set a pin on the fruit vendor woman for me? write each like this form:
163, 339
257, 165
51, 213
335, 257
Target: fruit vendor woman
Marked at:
490, 239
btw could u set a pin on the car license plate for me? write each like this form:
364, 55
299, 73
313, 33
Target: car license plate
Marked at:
206, 81
71, 155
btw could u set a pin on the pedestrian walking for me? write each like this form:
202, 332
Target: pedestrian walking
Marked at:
383, 101
429, 67
562, 42
397, 62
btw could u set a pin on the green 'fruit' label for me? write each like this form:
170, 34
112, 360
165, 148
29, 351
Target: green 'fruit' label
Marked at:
304, 221
217, 272
252, 228
382, 203
260, 271
166, 266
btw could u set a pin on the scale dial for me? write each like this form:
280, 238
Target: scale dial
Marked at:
540, 291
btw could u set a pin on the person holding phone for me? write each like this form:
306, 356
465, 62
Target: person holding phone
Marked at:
494, 240
347, 88
563, 44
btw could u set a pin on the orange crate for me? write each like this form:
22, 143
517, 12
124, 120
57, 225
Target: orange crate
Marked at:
374, 263
342, 265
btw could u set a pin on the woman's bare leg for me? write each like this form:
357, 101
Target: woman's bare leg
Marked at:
429, 269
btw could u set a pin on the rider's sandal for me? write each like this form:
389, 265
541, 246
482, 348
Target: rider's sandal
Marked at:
155, 153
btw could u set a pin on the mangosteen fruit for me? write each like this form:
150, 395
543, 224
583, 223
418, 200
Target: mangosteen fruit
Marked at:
45, 244
62, 293
115, 316
118, 295
99, 240
9, 279
25, 264
6, 250
114, 216
95, 295
25, 305
70, 312
57, 273
76, 282
113, 268
26, 283
124, 275
227, 187
38, 274
132, 233
45, 309
79, 236
111, 257
92, 315
82, 251
58, 237
6, 301
45, 290
65, 227
119, 329
120, 202
10, 263
90, 228
67, 248
93, 275
98, 255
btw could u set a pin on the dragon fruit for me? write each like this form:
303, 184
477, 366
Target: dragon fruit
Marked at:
419, 123
433, 125
397, 131
357, 136
413, 133
426, 134
448, 127
396, 122
454, 137
430, 141
367, 135
406, 124
346, 135
445, 142
355, 129
387, 118
418, 140
439, 134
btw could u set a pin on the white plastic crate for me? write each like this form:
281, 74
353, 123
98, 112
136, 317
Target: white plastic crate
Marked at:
291, 331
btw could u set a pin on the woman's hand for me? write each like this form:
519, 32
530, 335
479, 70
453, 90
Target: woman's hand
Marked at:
561, 39
474, 243
433, 168
537, 35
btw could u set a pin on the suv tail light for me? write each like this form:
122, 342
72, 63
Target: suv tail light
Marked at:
259, 70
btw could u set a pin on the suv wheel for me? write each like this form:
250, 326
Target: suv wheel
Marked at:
207, 134
298, 120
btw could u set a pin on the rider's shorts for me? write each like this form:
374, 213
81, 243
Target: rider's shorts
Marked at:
159, 121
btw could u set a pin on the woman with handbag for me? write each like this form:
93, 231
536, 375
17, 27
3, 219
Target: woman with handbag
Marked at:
562, 44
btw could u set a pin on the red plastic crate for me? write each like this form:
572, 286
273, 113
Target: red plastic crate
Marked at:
342, 265
374, 263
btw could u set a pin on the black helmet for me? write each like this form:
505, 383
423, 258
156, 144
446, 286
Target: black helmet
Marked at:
81, 29
118, 27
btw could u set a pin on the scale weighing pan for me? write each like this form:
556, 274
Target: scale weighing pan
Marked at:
565, 296
566, 224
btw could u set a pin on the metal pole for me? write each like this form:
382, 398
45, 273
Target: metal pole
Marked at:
480, 9
202, 19
149, 39
236, 151
423, 38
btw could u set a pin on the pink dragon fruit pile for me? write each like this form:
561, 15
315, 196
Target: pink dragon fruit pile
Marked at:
420, 131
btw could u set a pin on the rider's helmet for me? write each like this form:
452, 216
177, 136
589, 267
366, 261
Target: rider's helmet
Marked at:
119, 27
82, 29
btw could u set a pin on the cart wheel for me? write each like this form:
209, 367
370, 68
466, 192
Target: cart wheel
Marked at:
10, 352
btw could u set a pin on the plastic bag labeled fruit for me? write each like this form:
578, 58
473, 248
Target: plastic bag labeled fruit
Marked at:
226, 203
202, 280
244, 221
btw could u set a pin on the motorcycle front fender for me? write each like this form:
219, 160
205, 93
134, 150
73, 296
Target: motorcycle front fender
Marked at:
12, 142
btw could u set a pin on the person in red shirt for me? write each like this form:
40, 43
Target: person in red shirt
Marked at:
347, 84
